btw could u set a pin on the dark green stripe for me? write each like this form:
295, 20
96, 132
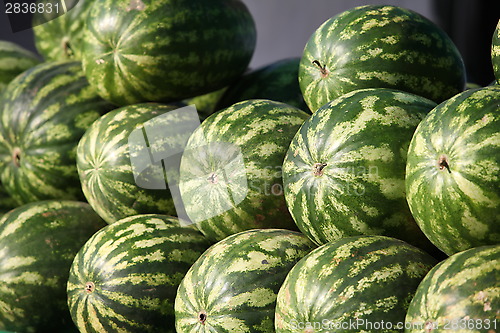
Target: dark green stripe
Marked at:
220, 52
41, 113
250, 267
146, 301
364, 277
362, 142
473, 157
51, 233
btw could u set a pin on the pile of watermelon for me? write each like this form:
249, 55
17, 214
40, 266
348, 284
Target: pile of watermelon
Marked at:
151, 182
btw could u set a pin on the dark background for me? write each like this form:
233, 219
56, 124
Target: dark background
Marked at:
284, 26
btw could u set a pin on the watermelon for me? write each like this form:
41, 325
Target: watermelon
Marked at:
206, 104
461, 293
124, 279
354, 284
232, 168
14, 60
43, 114
344, 172
495, 52
166, 50
277, 81
60, 37
106, 151
233, 286
38, 242
452, 174
378, 46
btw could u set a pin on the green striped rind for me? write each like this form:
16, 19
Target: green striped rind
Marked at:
458, 209
14, 60
106, 174
38, 242
61, 38
472, 85
277, 81
495, 52
43, 114
204, 46
380, 46
234, 284
232, 168
206, 104
365, 280
362, 137
133, 268
460, 293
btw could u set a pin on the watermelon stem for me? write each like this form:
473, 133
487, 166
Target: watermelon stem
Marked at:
213, 178
443, 163
318, 169
68, 51
322, 68
89, 287
16, 156
202, 317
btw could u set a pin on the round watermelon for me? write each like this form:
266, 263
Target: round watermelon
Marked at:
277, 81
452, 173
495, 52
461, 293
14, 60
379, 46
166, 50
106, 151
38, 242
232, 287
344, 172
231, 167
355, 284
60, 37
43, 114
125, 278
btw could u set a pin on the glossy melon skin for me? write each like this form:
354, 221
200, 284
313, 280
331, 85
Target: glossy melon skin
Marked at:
206, 104
232, 287
166, 50
14, 60
43, 114
459, 293
452, 183
363, 281
377, 46
277, 81
38, 242
61, 38
230, 174
344, 171
125, 278
105, 166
